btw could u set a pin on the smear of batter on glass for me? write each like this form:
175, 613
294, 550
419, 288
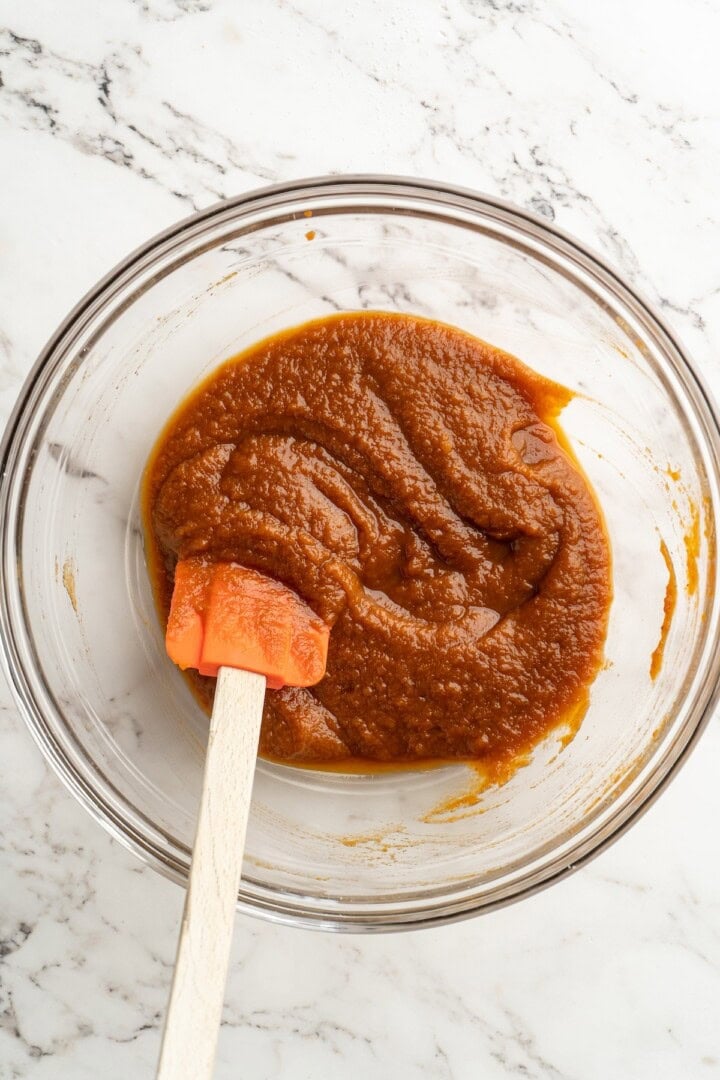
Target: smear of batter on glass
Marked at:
669, 604
692, 549
68, 578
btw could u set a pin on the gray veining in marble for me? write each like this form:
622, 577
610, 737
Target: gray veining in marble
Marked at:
116, 120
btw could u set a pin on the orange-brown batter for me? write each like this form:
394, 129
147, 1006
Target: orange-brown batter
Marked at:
407, 480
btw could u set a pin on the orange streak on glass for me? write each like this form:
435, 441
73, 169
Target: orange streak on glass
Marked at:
692, 549
668, 611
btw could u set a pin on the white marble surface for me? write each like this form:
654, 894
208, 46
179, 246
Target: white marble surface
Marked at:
118, 118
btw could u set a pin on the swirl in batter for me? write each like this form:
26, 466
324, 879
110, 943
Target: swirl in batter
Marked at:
410, 483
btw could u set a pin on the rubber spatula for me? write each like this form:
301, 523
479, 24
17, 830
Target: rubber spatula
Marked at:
252, 633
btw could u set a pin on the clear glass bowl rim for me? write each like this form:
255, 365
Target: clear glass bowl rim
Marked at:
107, 810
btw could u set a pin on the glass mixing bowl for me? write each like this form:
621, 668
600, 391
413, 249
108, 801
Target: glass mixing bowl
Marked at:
82, 645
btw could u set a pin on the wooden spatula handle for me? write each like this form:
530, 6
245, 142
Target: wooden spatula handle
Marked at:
198, 988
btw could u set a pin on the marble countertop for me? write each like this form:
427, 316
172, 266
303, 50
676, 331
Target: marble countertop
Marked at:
117, 119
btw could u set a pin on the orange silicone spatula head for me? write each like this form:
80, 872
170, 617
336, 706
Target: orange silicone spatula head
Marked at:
224, 615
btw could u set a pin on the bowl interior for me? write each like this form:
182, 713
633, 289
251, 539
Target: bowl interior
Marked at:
392, 847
